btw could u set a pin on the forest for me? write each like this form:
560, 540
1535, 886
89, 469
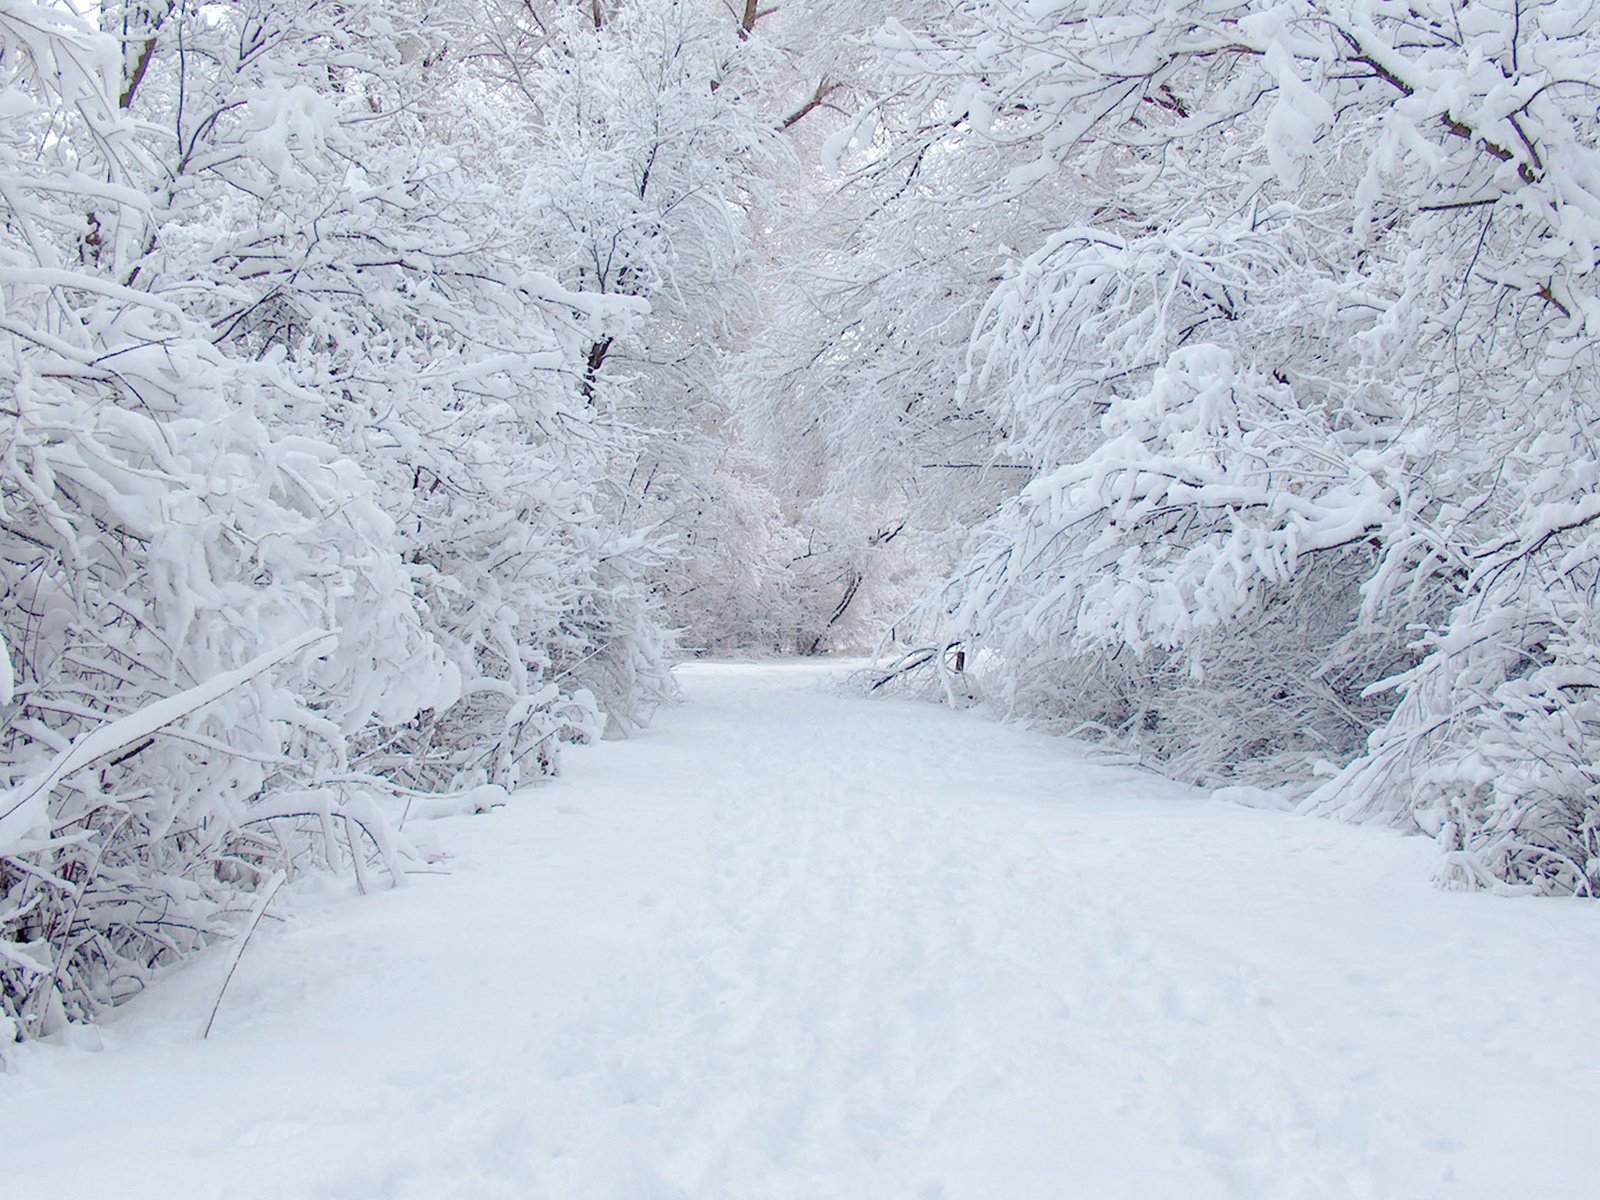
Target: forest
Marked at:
393, 391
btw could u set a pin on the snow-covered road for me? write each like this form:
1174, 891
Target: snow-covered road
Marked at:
791, 944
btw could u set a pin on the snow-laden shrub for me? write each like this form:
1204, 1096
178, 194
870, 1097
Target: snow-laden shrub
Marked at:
1194, 582
1492, 747
153, 545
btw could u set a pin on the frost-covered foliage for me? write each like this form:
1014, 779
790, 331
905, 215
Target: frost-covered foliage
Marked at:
646, 168
302, 508
1305, 377
851, 389
871, 283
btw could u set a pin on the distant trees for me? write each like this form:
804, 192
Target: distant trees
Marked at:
648, 148
870, 287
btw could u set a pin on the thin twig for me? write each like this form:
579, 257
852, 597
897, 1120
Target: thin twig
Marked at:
256, 913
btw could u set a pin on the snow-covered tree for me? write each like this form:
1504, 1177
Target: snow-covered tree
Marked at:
301, 511
1305, 377
646, 157
871, 282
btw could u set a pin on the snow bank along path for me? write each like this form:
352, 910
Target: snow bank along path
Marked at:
794, 944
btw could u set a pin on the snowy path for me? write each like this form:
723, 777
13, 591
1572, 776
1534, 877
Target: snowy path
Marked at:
795, 945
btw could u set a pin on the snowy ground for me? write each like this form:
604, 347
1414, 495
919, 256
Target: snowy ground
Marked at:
796, 945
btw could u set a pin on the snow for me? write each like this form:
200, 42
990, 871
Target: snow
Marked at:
794, 943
